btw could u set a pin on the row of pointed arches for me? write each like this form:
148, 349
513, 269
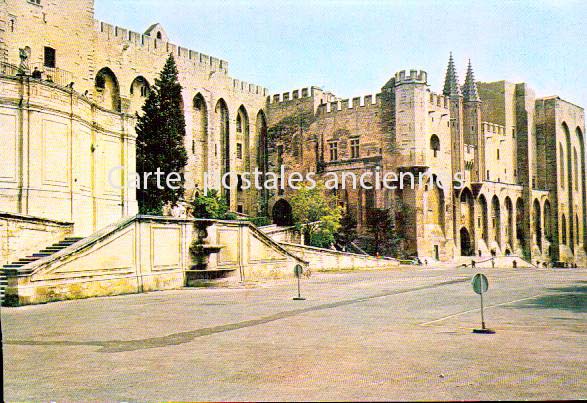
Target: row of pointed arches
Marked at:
501, 224
571, 186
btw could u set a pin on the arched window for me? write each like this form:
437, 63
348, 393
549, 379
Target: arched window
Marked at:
159, 36
435, 144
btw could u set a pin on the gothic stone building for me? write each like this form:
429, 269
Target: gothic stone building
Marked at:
521, 158
62, 133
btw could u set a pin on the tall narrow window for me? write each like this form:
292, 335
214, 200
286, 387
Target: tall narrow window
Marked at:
239, 151
355, 151
50, 57
498, 154
333, 150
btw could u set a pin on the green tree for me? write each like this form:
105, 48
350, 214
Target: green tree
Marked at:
160, 141
213, 206
348, 230
387, 228
316, 215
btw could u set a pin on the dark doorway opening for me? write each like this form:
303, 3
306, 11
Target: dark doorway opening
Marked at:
282, 214
466, 247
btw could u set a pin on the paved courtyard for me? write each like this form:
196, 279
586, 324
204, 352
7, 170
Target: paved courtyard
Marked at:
372, 335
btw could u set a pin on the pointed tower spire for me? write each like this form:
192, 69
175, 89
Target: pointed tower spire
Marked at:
451, 82
470, 93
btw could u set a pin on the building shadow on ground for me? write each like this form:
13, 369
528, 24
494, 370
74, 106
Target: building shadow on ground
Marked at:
573, 299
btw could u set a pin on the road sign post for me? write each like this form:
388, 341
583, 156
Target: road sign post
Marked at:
298, 271
480, 286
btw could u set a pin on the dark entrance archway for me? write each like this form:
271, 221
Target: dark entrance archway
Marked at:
282, 213
466, 247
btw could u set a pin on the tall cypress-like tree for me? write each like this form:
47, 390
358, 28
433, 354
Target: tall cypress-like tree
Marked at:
160, 141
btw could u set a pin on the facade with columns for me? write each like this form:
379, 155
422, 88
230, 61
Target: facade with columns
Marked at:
521, 158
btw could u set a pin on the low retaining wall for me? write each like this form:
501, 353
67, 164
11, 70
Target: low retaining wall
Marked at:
21, 235
145, 253
325, 259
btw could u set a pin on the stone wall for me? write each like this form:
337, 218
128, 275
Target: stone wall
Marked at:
144, 253
58, 150
22, 235
324, 259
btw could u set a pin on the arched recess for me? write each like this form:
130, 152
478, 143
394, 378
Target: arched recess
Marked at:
569, 184
520, 217
222, 122
537, 218
139, 91
261, 133
435, 144
509, 223
107, 90
282, 213
582, 187
200, 139
467, 210
243, 129
467, 248
563, 230
496, 219
435, 203
547, 221
484, 227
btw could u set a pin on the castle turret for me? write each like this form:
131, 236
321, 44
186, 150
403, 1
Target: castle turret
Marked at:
451, 82
453, 91
473, 133
470, 93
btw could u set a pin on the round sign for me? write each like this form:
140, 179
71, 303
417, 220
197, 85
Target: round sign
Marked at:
480, 283
298, 270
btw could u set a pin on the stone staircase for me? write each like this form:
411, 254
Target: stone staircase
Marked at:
48, 251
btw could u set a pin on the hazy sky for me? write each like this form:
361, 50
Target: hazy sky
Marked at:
353, 47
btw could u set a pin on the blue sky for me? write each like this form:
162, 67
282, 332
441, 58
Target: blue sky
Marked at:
353, 47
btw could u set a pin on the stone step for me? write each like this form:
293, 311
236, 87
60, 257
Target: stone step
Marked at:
73, 239
41, 255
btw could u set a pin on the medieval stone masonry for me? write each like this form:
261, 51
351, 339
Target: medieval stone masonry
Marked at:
70, 86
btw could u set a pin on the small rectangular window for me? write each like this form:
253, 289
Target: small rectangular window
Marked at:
37, 2
50, 57
239, 151
355, 150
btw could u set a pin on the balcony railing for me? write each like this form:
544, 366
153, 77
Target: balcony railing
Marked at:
49, 74
53, 74
7, 69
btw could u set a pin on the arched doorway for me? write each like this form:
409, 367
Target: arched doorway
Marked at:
509, 229
282, 213
537, 224
466, 246
496, 219
520, 216
483, 221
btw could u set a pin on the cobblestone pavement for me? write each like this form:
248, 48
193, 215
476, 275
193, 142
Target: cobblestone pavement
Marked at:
369, 335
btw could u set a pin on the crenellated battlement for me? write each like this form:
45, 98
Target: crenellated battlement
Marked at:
413, 77
306, 92
340, 105
492, 128
154, 45
158, 47
439, 100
